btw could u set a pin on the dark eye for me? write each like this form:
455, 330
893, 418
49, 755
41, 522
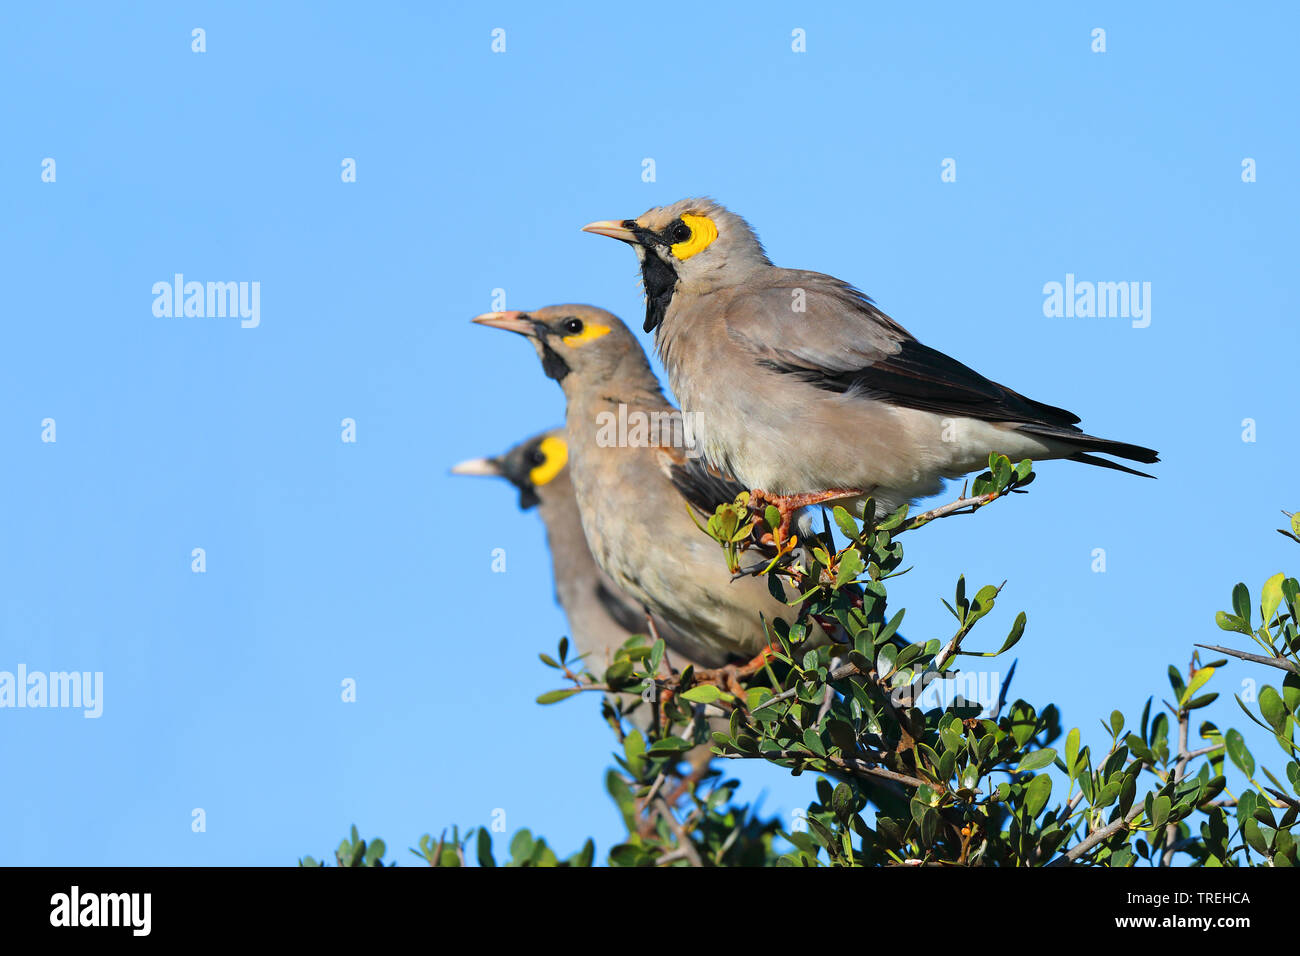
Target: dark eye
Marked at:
679, 232
572, 326
536, 457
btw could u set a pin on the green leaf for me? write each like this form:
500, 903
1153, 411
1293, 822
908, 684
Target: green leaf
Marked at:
555, 696
1199, 677
929, 826
669, 745
1160, 811
1230, 622
842, 801
813, 741
1071, 750
656, 656
1241, 602
1036, 760
1271, 597
1017, 632
850, 567
1037, 794
634, 751
1239, 753
845, 522
1271, 706
1127, 792
984, 600
890, 629
952, 738
893, 521
521, 845
910, 653
1291, 692
1254, 837
705, 694
843, 735
626, 854
485, 848
619, 673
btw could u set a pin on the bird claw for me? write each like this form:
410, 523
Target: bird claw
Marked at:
787, 505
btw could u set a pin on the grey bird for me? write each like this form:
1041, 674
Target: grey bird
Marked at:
636, 484
806, 391
602, 618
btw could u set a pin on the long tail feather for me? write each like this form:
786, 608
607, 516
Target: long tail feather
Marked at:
1107, 463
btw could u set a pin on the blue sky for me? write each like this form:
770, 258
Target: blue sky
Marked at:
329, 561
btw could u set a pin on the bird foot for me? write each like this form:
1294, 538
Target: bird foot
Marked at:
728, 677
787, 505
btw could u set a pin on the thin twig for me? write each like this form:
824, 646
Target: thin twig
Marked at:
1291, 802
1281, 663
839, 673
684, 842
852, 764
1098, 836
1180, 768
964, 506
828, 696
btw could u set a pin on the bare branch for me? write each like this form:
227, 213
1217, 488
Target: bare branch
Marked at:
1180, 768
855, 765
684, 842
1098, 836
1281, 663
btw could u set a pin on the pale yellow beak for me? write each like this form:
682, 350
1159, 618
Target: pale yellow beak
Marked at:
510, 321
615, 229
476, 466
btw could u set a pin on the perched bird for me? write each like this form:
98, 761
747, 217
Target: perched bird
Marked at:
636, 484
804, 390
602, 618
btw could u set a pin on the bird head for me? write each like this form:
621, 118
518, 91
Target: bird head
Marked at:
576, 343
530, 466
698, 243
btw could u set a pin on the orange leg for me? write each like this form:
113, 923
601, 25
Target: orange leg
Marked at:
787, 505
728, 677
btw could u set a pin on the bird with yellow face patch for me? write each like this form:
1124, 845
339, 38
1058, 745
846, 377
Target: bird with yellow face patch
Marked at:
804, 390
602, 618
635, 490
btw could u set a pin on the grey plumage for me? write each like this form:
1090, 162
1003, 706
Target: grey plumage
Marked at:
801, 385
601, 618
634, 497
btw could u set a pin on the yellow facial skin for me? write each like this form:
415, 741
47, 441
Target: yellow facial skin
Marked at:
703, 232
591, 330
557, 456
